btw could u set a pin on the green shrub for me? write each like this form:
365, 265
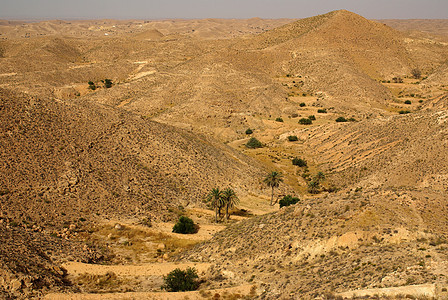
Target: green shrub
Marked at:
279, 119
322, 111
351, 119
403, 112
107, 83
407, 102
249, 131
180, 281
185, 225
312, 118
293, 138
305, 121
341, 119
253, 143
288, 200
299, 162
92, 85
302, 104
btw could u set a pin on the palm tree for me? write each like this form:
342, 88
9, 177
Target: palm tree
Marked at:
216, 200
320, 176
273, 180
313, 187
230, 200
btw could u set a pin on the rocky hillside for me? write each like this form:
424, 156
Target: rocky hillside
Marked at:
29, 261
66, 160
405, 151
334, 243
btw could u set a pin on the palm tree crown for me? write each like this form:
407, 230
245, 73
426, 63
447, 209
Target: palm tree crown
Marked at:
273, 180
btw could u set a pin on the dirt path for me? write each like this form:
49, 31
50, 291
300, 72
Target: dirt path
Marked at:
155, 269
428, 290
243, 290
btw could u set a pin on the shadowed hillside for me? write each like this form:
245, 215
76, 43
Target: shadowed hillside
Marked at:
63, 161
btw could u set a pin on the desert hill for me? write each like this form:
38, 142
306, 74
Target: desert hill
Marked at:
65, 161
237, 82
406, 151
333, 244
385, 227
152, 34
431, 26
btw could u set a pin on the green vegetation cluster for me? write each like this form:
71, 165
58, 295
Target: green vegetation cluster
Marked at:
180, 281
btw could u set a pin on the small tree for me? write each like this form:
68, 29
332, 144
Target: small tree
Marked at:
253, 143
273, 180
249, 131
303, 103
180, 281
293, 138
279, 119
312, 118
322, 111
407, 102
230, 200
185, 225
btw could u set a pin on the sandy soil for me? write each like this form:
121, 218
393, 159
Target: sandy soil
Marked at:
242, 290
77, 268
415, 290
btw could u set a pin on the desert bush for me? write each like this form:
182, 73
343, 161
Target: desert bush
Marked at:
416, 73
253, 143
249, 131
299, 162
294, 115
305, 121
179, 280
351, 119
397, 80
404, 112
92, 85
322, 111
407, 102
293, 138
288, 200
185, 225
107, 83
312, 118
302, 104
341, 119
279, 119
